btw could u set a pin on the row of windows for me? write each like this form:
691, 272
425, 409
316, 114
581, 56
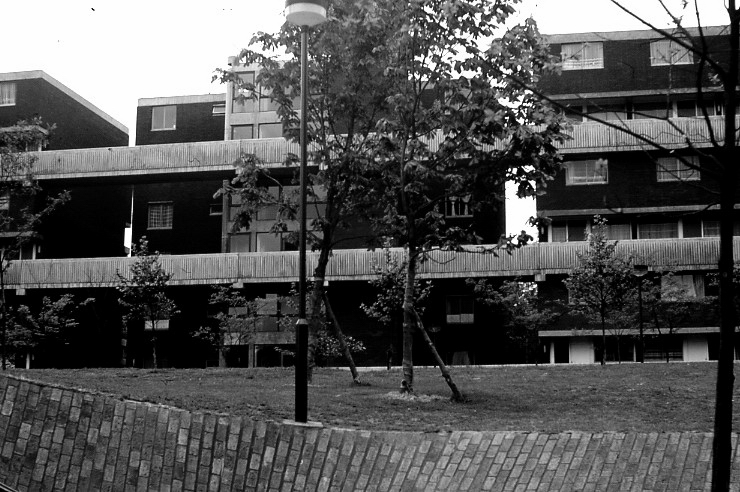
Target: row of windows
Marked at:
264, 130
596, 171
160, 214
586, 56
577, 230
687, 108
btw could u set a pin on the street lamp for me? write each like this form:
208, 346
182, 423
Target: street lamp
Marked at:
303, 13
640, 271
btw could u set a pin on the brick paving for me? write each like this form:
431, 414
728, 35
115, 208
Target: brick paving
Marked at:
63, 439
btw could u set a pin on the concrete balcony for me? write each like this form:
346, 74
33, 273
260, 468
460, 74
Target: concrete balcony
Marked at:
216, 156
533, 261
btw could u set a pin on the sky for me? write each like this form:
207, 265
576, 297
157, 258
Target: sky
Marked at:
113, 53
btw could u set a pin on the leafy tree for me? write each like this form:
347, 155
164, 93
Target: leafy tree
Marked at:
455, 127
602, 284
34, 331
142, 292
671, 304
348, 94
20, 216
524, 311
235, 321
390, 283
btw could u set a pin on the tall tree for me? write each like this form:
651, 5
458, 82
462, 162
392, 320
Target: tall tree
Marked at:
348, 93
20, 216
143, 293
602, 283
455, 127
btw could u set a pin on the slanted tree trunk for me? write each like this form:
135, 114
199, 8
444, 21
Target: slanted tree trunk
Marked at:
456, 395
407, 359
342, 341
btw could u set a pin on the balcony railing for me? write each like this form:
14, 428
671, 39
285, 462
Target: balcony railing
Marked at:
533, 260
213, 156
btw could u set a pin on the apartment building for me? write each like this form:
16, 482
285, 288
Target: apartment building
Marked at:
79, 124
646, 85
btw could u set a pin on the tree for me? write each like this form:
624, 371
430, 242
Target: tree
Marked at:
602, 283
454, 128
525, 313
671, 304
20, 217
390, 283
142, 293
348, 94
35, 331
234, 322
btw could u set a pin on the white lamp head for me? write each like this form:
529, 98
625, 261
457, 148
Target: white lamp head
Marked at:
305, 12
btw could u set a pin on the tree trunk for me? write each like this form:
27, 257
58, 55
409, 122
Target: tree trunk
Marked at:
407, 360
314, 322
456, 395
154, 346
221, 356
342, 341
603, 339
722, 444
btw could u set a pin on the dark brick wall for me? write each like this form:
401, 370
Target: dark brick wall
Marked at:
55, 438
626, 68
632, 183
76, 126
195, 123
92, 223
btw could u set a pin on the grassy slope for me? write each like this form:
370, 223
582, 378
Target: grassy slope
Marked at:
640, 397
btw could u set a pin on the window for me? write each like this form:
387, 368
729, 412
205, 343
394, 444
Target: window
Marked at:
673, 169
267, 104
219, 110
242, 102
160, 215
271, 130
458, 206
608, 112
460, 310
664, 230
5, 201
710, 228
668, 52
647, 110
242, 132
216, 208
616, 232
569, 231
587, 172
164, 118
582, 56
7, 94
692, 109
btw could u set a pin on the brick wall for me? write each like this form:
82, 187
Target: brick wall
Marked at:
56, 438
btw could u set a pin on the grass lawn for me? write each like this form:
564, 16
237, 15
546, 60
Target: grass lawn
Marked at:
619, 397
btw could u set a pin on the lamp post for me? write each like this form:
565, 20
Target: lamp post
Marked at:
303, 13
640, 271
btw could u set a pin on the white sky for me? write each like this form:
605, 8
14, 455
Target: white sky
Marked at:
112, 53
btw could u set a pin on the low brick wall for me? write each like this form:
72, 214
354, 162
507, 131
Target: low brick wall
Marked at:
63, 439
